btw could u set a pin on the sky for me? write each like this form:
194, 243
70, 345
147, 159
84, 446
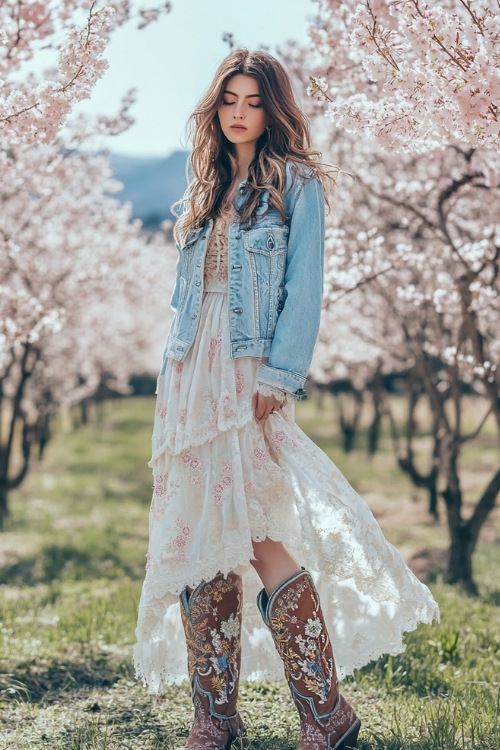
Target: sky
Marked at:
172, 62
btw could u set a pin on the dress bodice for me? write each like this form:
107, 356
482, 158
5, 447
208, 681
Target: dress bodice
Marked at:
215, 270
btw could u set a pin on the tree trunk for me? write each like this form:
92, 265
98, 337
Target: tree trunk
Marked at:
465, 534
377, 401
349, 423
433, 498
43, 433
461, 549
84, 411
406, 457
18, 422
4, 508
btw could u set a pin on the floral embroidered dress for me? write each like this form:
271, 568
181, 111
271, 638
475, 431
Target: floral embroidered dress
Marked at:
222, 480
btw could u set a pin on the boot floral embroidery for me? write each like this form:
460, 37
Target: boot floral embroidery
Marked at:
302, 644
299, 632
313, 628
231, 628
214, 642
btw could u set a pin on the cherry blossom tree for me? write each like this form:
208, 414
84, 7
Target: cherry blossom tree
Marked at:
86, 296
429, 310
416, 242
414, 75
78, 287
34, 110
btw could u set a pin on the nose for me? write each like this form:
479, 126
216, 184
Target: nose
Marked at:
238, 112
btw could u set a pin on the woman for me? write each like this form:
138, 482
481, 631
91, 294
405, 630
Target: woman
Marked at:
242, 497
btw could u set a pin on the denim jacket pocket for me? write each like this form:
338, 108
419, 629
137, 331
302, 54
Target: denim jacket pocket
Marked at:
268, 240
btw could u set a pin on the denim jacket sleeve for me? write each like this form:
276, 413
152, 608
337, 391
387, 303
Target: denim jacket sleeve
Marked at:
174, 300
298, 324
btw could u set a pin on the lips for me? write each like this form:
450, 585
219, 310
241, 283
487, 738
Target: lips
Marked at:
238, 127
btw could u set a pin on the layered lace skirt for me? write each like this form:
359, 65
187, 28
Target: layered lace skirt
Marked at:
222, 480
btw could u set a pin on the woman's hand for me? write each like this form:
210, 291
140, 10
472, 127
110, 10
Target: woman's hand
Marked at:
263, 406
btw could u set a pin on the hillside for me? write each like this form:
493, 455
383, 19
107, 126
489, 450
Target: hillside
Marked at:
151, 184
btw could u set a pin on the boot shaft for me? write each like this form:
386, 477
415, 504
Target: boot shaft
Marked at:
211, 617
293, 614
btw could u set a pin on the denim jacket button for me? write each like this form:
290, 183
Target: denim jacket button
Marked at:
238, 310
198, 283
237, 236
194, 316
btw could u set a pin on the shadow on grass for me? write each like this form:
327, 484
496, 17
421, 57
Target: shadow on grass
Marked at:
61, 679
157, 733
65, 562
493, 598
429, 564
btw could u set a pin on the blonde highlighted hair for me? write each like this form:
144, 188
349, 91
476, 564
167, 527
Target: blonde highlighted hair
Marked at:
212, 164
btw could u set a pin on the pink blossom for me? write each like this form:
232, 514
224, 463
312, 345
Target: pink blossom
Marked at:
260, 453
279, 436
215, 345
240, 382
412, 75
160, 484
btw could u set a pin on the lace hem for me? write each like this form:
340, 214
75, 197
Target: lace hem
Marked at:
174, 444
160, 652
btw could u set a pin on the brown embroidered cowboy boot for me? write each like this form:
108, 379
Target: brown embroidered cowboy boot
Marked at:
211, 617
294, 616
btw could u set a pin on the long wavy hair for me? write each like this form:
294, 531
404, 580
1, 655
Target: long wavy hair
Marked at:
212, 165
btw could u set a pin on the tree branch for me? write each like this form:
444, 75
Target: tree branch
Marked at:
484, 507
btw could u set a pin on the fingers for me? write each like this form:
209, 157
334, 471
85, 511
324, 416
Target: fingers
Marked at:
264, 405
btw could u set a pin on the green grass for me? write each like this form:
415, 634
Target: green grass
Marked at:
71, 567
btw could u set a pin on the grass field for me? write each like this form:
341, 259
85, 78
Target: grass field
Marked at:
71, 567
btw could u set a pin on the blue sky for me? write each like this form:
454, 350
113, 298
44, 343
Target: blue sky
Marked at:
172, 62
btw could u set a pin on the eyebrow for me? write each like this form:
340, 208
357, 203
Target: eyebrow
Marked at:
250, 96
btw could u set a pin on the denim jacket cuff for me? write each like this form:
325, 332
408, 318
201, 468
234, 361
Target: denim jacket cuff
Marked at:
283, 379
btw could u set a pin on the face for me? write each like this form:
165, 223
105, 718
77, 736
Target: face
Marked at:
241, 115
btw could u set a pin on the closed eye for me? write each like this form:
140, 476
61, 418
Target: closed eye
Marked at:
253, 106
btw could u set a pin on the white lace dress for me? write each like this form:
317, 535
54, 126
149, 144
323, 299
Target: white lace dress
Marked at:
222, 479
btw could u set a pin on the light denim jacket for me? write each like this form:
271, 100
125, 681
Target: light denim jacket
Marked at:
275, 285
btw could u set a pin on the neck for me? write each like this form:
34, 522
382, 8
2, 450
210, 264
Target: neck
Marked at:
245, 153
